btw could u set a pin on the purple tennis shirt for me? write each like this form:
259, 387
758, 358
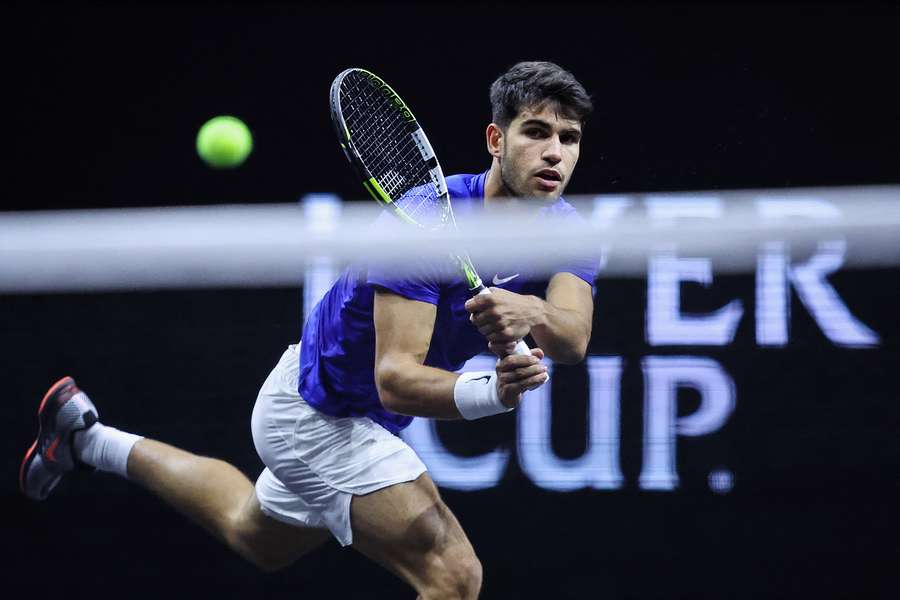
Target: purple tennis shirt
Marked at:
337, 355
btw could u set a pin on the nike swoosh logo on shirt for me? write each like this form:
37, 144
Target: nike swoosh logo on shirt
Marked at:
501, 280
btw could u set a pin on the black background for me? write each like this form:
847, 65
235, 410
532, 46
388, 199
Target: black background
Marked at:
104, 104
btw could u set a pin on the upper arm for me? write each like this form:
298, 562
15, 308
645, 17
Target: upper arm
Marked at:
570, 292
403, 330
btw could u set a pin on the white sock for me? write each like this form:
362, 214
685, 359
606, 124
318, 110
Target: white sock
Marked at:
105, 448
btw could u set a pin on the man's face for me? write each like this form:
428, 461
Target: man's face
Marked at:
540, 149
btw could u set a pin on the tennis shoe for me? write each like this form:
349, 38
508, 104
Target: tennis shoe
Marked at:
64, 410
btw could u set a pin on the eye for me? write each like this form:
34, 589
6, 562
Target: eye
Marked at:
570, 138
535, 133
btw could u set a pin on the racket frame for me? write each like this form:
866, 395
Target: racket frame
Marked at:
370, 183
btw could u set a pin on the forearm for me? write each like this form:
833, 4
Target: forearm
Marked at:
417, 390
560, 332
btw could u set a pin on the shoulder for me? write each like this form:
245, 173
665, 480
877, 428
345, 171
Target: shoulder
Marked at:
585, 268
461, 185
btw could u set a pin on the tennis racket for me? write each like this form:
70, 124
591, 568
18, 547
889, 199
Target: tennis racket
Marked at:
395, 161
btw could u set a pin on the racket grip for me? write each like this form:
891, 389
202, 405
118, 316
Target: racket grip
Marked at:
522, 348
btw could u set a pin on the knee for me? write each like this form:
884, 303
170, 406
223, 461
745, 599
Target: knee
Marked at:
249, 547
468, 577
250, 543
267, 563
457, 575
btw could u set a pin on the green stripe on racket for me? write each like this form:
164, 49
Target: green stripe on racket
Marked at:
394, 160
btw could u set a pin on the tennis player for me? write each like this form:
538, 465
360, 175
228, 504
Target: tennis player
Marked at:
377, 351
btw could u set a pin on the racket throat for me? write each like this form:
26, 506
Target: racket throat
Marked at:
469, 272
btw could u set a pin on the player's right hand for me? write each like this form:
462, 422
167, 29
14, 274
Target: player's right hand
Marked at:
517, 374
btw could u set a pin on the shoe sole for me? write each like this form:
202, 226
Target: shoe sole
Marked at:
30, 453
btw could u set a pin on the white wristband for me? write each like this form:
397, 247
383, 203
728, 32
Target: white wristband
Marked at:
476, 396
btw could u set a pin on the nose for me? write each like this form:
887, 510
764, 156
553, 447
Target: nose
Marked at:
552, 150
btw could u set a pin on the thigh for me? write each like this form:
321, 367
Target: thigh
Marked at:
408, 529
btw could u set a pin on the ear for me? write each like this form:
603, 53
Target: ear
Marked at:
494, 137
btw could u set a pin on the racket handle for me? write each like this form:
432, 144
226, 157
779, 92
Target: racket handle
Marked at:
522, 348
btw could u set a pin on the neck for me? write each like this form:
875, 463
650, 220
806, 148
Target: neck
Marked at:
495, 191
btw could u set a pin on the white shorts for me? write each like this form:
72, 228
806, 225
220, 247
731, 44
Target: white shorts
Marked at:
316, 463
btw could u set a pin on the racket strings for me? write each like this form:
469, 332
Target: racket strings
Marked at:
381, 136
384, 142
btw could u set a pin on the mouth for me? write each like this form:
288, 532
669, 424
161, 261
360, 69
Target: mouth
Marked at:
548, 179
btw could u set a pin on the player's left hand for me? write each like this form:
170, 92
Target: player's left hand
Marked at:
517, 374
503, 316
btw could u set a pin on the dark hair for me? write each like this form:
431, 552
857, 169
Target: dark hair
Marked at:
530, 84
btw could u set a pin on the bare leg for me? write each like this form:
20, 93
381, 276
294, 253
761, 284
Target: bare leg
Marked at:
408, 529
218, 497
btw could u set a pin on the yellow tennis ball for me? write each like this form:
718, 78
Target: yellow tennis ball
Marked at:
224, 142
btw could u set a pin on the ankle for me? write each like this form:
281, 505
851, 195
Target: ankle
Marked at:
105, 448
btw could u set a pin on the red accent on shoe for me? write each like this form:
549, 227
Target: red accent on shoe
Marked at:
53, 389
25, 462
51, 449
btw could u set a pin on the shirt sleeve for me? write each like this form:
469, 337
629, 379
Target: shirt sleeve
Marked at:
419, 285
583, 269
586, 268
416, 279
